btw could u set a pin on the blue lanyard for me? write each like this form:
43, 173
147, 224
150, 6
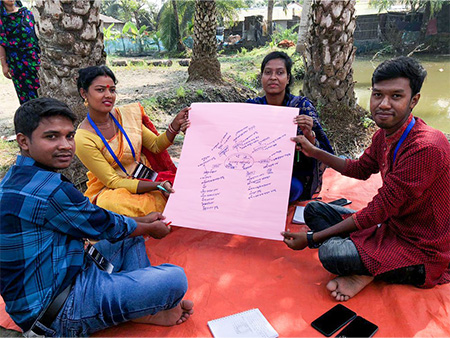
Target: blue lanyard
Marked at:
99, 133
405, 133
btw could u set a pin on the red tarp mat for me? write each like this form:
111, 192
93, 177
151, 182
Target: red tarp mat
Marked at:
229, 274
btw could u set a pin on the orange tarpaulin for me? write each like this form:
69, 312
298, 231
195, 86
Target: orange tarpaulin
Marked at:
229, 274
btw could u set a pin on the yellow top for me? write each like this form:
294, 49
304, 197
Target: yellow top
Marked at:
103, 170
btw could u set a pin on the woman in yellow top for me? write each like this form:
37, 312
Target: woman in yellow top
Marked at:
109, 142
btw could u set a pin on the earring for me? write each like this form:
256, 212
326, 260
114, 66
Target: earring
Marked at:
86, 103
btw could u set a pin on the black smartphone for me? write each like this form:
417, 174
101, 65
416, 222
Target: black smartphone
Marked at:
333, 319
359, 327
340, 201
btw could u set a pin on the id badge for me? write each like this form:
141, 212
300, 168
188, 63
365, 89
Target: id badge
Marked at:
143, 172
98, 258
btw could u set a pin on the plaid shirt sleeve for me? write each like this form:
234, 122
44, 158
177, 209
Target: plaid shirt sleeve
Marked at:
71, 213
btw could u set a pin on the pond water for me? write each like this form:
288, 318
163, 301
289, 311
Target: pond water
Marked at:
434, 103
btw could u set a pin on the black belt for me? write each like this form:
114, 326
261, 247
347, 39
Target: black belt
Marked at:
49, 315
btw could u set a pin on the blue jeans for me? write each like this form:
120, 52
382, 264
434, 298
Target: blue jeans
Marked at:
339, 255
134, 289
296, 189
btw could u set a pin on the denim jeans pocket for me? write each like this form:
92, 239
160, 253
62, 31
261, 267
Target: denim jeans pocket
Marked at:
48, 332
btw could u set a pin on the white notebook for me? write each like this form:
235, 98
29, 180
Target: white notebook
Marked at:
249, 323
298, 215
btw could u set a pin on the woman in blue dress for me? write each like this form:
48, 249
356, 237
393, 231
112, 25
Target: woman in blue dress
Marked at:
276, 78
19, 49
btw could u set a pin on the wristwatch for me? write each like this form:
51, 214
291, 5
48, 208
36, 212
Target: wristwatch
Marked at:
310, 240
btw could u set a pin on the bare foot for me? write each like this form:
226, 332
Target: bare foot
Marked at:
345, 287
177, 315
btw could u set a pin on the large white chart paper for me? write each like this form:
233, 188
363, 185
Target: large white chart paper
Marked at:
235, 170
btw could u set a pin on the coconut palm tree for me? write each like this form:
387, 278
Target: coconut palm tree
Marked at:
330, 53
270, 5
303, 28
141, 12
225, 9
204, 63
70, 39
180, 46
173, 25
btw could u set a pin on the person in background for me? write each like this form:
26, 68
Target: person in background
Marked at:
403, 235
51, 284
111, 144
19, 49
276, 79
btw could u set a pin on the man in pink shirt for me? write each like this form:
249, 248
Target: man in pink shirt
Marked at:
403, 235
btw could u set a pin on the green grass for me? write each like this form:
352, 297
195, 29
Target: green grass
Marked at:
151, 107
245, 67
181, 92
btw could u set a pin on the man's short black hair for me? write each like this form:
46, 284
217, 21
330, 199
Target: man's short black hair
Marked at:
402, 66
29, 115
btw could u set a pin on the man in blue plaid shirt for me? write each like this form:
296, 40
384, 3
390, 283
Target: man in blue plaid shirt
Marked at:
44, 221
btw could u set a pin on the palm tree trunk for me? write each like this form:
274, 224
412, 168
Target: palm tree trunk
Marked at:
303, 28
330, 54
204, 63
70, 39
269, 17
180, 46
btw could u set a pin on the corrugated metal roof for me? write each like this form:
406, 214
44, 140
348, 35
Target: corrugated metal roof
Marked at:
278, 13
109, 19
362, 7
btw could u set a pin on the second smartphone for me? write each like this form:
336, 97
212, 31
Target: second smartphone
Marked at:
333, 319
340, 201
359, 327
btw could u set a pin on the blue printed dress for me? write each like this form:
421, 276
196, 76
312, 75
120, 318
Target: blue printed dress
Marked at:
307, 172
18, 37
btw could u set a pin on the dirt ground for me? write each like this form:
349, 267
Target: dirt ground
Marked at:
134, 84
8, 105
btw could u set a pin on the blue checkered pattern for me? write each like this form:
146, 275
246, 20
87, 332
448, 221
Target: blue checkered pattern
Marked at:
43, 220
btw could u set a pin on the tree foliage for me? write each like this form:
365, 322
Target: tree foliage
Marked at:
167, 23
135, 34
141, 12
226, 10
